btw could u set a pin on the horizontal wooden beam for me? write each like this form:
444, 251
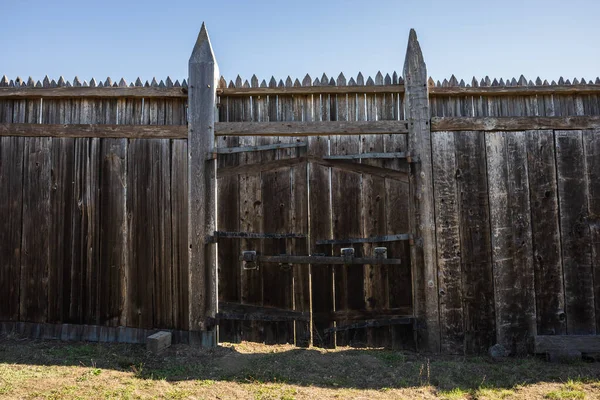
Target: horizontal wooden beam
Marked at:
97, 333
513, 123
374, 239
513, 90
325, 260
361, 315
363, 156
91, 130
372, 324
310, 128
554, 343
253, 235
305, 90
57, 92
247, 312
346, 165
277, 146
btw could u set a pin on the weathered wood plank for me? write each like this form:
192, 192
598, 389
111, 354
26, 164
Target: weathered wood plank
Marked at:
310, 128
92, 92
228, 218
591, 143
511, 240
449, 250
203, 81
35, 241
11, 224
179, 207
549, 285
141, 192
94, 130
61, 205
339, 164
513, 123
475, 242
573, 194
423, 257
113, 231
320, 225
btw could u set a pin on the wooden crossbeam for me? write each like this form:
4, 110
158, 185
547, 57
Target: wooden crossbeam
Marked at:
247, 312
373, 239
367, 156
325, 260
310, 128
514, 123
371, 324
94, 130
233, 150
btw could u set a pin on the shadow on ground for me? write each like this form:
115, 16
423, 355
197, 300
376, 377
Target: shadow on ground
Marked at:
342, 368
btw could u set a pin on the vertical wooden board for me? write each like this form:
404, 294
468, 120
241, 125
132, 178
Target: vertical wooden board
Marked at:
61, 206
319, 204
141, 230
251, 220
591, 143
161, 162
396, 207
179, 190
373, 215
113, 232
511, 240
475, 243
346, 198
301, 273
573, 194
229, 249
302, 111
35, 242
448, 243
277, 285
11, 223
549, 286
90, 242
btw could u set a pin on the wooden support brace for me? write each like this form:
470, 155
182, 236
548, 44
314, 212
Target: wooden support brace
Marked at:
203, 79
421, 202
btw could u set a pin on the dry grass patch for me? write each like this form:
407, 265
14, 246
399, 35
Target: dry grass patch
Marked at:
58, 370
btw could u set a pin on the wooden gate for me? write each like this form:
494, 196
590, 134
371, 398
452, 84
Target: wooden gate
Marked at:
295, 200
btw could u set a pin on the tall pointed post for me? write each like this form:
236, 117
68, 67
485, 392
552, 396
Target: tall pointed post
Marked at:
421, 203
202, 93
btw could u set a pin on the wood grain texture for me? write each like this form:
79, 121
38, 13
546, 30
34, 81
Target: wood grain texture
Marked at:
582, 343
94, 130
475, 242
11, 224
573, 194
591, 143
310, 128
92, 92
547, 257
445, 172
203, 80
513, 123
422, 220
511, 240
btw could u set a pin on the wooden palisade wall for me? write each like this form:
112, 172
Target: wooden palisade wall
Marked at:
501, 198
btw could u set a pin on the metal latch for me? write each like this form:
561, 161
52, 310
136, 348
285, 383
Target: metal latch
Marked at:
249, 259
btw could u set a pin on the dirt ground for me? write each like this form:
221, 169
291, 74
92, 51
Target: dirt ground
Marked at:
59, 370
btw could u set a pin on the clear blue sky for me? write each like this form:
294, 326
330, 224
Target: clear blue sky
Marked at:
549, 38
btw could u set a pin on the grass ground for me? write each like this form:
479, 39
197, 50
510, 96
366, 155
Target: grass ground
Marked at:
58, 370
